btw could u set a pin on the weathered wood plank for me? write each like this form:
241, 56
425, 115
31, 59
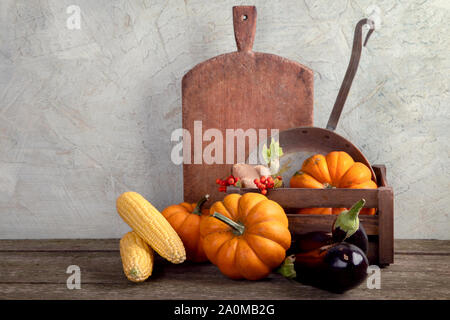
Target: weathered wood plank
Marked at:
39, 275
302, 223
310, 198
419, 285
401, 246
60, 245
105, 267
386, 225
419, 246
282, 289
50, 267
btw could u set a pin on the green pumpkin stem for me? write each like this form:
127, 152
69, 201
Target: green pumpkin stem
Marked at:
198, 207
238, 227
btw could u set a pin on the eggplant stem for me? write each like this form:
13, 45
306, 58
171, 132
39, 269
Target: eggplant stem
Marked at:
356, 208
287, 269
348, 221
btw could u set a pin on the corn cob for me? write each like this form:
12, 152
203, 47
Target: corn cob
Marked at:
137, 257
151, 226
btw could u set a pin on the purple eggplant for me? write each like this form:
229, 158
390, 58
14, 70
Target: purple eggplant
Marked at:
308, 241
347, 228
336, 268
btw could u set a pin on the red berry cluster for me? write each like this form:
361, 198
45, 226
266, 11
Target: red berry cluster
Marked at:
265, 183
230, 181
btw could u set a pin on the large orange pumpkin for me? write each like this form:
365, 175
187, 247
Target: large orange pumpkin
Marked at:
335, 170
185, 218
246, 236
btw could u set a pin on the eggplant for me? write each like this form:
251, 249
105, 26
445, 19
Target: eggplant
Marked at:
308, 241
336, 268
347, 228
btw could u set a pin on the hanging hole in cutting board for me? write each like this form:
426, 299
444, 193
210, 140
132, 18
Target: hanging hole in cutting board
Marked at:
244, 17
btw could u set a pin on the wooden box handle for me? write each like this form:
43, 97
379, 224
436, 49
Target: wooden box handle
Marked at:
244, 22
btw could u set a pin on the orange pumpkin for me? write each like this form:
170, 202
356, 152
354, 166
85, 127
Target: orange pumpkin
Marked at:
246, 236
335, 170
185, 218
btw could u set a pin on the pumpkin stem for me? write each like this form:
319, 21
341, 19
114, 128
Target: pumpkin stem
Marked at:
198, 207
238, 227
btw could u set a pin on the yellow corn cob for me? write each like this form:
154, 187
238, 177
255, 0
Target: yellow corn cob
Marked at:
137, 257
151, 226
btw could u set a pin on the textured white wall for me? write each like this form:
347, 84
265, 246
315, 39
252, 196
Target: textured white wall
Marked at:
87, 114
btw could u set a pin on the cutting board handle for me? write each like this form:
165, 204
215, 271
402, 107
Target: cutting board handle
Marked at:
244, 22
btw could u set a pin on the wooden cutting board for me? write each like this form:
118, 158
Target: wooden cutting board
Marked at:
240, 90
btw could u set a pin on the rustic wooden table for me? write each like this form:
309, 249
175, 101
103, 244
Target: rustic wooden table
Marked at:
36, 269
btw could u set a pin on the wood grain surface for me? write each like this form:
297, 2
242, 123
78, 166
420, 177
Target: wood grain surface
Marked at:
36, 269
310, 198
241, 90
315, 222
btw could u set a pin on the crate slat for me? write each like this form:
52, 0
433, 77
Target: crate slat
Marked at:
311, 198
302, 223
386, 224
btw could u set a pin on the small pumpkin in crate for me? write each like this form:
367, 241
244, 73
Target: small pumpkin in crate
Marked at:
246, 236
335, 170
185, 219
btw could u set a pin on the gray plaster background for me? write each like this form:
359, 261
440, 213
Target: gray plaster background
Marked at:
87, 114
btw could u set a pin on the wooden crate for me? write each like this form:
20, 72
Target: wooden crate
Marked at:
379, 228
